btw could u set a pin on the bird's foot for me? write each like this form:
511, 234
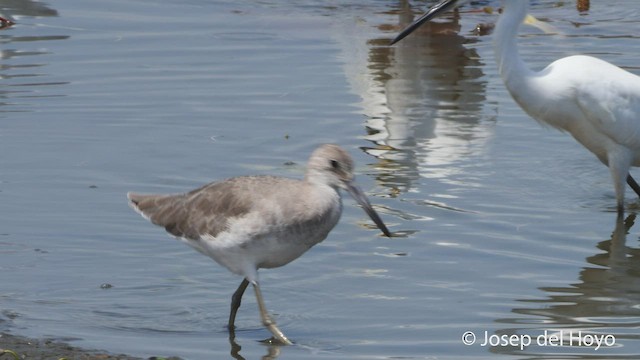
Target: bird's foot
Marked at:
278, 337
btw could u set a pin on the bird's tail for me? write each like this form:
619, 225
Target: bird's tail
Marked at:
154, 208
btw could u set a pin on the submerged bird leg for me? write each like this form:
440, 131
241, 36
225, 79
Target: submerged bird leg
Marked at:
236, 298
267, 321
634, 185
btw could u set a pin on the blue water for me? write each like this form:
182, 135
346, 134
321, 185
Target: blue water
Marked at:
507, 227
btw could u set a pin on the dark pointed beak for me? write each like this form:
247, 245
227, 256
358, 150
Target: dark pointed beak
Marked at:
361, 198
436, 10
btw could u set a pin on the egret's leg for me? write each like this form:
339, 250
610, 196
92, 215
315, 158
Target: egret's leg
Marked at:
267, 320
634, 185
619, 188
236, 298
619, 162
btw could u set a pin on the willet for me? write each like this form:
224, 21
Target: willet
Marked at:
251, 222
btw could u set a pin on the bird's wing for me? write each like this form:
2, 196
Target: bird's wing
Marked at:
612, 105
204, 211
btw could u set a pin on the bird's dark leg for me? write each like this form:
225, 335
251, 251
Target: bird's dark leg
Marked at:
620, 209
236, 299
634, 185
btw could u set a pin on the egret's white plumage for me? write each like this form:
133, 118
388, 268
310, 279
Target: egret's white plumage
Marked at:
596, 102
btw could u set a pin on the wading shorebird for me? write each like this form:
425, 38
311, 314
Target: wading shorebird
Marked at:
251, 222
596, 102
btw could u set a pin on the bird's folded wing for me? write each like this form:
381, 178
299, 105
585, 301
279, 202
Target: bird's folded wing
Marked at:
613, 111
204, 211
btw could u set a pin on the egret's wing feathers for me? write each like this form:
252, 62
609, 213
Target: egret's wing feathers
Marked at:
612, 111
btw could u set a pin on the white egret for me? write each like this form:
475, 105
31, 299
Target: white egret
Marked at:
596, 102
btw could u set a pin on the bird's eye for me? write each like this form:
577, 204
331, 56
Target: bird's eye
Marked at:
334, 164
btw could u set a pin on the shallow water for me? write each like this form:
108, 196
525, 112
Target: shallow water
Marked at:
507, 227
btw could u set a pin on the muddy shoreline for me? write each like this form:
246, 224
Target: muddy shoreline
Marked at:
26, 348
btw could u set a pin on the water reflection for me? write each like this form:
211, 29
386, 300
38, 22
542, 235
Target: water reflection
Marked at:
16, 66
273, 351
15, 8
606, 300
423, 99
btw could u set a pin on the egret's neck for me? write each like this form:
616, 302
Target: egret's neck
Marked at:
511, 67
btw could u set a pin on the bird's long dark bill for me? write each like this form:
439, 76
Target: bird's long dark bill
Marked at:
361, 198
436, 10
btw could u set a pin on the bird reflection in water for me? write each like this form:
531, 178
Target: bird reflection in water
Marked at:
424, 101
605, 300
273, 349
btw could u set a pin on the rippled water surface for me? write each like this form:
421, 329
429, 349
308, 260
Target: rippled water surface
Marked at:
507, 227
